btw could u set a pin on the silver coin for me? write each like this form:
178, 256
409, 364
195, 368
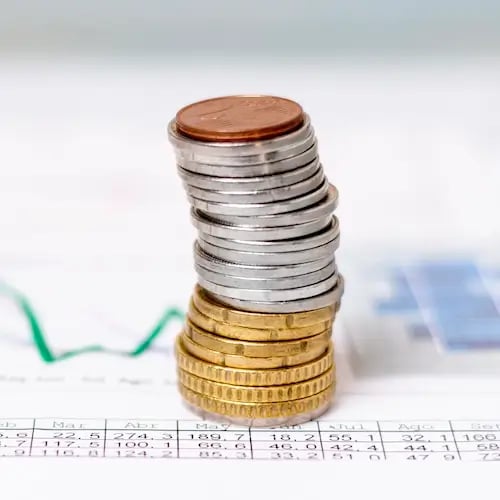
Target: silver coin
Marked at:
330, 298
259, 169
253, 233
245, 184
325, 206
270, 258
262, 196
322, 237
245, 210
262, 272
264, 295
260, 216
193, 148
250, 160
268, 283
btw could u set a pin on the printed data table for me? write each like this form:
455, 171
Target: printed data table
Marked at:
335, 440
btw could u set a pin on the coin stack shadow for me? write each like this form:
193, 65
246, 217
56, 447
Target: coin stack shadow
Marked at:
256, 348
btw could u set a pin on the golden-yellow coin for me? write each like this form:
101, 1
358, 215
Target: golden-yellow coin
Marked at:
256, 334
247, 377
256, 349
238, 361
213, 309
258, 410
242, 394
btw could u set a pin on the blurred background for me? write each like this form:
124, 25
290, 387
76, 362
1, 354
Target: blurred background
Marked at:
319, 28
405, 100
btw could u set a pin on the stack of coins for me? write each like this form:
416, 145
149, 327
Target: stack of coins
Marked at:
256, 348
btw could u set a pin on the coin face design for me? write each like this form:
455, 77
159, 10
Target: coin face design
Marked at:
239, 118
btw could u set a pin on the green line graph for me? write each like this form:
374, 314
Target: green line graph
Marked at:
49, 356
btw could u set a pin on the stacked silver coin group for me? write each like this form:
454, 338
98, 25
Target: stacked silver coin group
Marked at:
264, 214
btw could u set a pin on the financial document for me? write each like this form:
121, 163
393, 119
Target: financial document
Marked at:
96, 265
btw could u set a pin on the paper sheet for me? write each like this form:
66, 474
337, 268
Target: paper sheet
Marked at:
96, 266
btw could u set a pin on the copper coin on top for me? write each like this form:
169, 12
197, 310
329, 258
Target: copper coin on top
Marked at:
239, 118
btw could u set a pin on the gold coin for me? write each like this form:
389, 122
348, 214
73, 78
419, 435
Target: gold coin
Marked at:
213, 309
238, 361
255, 349
242, 394
248, 377
257, 410
257, 334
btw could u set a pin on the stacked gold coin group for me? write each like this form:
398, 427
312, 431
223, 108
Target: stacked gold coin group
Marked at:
256, 348
255, 369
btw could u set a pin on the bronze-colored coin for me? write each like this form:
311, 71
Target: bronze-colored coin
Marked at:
244, 376
257, 410
239, 118
245, 394
237, 332
215, 310
256, 349
238, 361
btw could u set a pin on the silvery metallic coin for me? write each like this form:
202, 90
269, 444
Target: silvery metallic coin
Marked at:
322, 208
210, 226
330, 298
270, 258
322, 237
245, 184
264, 295
262, 209
262, 196
262, 272
269, 167
246, 161
267, 283
192, 148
